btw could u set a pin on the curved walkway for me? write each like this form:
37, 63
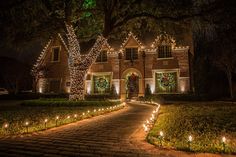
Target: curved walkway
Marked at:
115, 134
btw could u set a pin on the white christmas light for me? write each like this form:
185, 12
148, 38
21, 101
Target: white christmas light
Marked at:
79, 67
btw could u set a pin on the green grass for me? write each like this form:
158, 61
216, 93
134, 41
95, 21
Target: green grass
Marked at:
36, 111
206, 122
64, 102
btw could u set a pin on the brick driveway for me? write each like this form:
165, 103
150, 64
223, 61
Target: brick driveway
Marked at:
107, 135
115, 134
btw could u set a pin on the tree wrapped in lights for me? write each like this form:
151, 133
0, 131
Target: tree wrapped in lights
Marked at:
78, 66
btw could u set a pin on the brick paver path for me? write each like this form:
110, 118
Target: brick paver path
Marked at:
115, 134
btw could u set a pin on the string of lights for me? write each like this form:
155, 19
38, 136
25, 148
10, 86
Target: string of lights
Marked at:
79, 67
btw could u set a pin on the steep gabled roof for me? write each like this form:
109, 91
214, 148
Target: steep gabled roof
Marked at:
163, 39
128, 38
42, 55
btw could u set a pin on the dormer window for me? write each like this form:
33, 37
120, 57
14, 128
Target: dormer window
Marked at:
131, 53
102, 57
56, 54
164, 51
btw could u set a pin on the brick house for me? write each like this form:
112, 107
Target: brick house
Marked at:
128, 67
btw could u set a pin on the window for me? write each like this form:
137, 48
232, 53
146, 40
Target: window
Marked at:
164, 51
55, 54
131, 53
102, 57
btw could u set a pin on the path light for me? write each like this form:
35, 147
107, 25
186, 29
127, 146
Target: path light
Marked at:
88, 111
223, 139
27, 126
223, 142
68, 117
45, 123
161, 137
83, 113
161, 133
75, 115
99, 110
57, 117
190, 139
94, 110
6, 125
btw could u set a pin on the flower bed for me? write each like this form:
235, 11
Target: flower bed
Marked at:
35, 115
197, 127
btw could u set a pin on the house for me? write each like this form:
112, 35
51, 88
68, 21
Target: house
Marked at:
129, 67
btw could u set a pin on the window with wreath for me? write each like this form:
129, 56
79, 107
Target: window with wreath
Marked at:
131, 53
101, 84
55, 54
102, 57
166, 82
164, 51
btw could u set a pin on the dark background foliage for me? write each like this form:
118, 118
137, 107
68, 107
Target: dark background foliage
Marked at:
25, 27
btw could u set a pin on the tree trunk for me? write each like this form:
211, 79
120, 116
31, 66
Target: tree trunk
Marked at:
229, 77
77, 90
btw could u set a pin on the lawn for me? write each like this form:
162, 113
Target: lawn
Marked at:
13, 118
206, 122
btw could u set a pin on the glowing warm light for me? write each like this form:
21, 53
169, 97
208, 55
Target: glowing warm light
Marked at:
6, 125
161, 133
83, 114
223, 139
88, 111
94, 110
46, 120
26, 123
68, 117
190, 138
57, 117
78, 66
40, 90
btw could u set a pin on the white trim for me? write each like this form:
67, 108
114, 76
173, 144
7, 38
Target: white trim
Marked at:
168, 58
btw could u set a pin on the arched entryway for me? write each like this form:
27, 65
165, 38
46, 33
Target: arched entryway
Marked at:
131, 85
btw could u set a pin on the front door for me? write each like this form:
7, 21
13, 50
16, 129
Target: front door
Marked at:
132, 85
